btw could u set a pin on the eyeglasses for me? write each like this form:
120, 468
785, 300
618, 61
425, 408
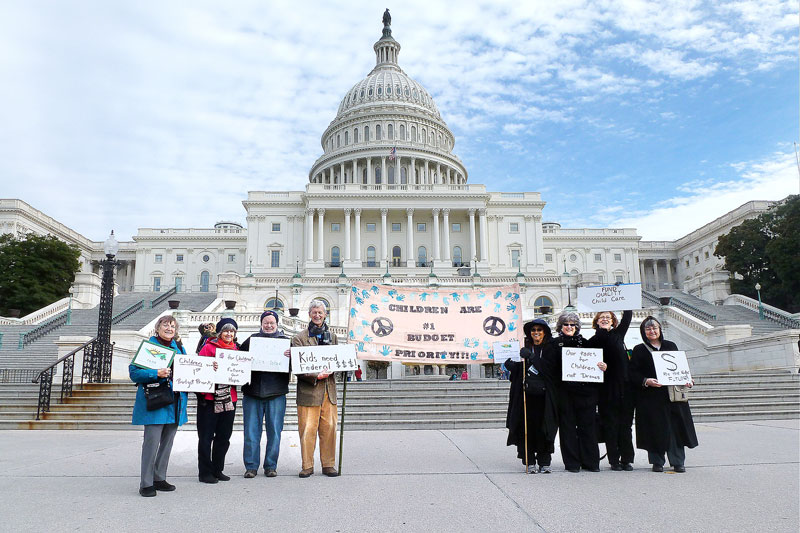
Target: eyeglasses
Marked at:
569, 325
537, 330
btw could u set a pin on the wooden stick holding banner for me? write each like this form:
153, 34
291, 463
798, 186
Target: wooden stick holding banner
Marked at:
525, 411
333, 358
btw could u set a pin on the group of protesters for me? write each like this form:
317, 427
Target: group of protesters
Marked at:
263, 406
583, 414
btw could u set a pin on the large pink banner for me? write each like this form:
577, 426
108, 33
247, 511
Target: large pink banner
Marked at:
432, 325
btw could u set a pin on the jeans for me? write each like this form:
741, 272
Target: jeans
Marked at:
260, 412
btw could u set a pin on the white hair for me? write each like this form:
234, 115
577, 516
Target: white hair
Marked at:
317, 303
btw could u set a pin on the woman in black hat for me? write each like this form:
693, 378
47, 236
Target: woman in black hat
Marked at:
216, 411
537, 407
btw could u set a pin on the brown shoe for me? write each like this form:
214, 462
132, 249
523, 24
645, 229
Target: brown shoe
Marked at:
271, 473
330, 471
306, 472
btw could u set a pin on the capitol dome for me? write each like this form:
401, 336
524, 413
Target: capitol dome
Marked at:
388, 131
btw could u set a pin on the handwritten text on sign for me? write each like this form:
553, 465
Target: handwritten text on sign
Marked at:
610, 297
233, 366
193, 373
672, 368
503, 351
580, 364
268, 354
313, 359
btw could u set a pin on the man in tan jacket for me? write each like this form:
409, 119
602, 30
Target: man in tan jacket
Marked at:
316, 398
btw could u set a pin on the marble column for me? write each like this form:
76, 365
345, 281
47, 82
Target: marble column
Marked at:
472, 251
384, 175
370, 177
384, 236
309, 235
347, 234
484, 247
413, 177
320, 237
446, 234
436, 251
641, 273
655, 274
357, 212
355, 171
341, 172
410, 237
669, 273
425, 178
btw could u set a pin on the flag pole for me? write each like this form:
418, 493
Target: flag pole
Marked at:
341, 422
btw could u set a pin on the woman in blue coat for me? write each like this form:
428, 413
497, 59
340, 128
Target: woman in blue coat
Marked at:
160, 425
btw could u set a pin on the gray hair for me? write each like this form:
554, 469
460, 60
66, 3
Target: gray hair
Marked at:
317, 303
227, 327
570, 317
163, 320
651, 321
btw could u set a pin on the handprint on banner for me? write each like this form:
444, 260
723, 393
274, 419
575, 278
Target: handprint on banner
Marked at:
367, 338
446, 300
359, 301
400, 297
476, 343
497, 308
467, 342
374, 308
374, 289
481, 294
365, 294
513, 296
353, 311
360, 347
365, 323
354, 289
511, 307
385, 350
473, 355
392, 293
465, 297
351, 334
423, 296
512, 326
435, 295
455, 296
498, 294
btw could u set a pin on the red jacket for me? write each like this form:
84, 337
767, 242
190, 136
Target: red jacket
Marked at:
210, 350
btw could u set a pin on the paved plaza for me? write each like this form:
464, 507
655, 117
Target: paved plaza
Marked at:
742, 477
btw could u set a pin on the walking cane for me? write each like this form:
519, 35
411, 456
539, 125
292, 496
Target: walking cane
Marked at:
341, 427
525, 411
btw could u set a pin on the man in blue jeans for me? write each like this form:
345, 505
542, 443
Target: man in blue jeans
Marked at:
264, 403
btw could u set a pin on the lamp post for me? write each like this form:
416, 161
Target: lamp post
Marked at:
250, 273
569, 287
69, 308
99, 370
275, 305
760, 305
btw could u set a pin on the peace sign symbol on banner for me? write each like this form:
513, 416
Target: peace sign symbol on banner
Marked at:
494, 326
382, 326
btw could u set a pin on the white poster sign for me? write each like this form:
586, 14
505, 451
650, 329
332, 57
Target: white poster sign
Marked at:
268, 354
610, 298
504, 351
580, 364
312, 359
233, 366
153, 356
672, 368
193, 373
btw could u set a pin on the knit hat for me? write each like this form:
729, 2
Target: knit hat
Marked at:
268, 312
226, 322
571, 318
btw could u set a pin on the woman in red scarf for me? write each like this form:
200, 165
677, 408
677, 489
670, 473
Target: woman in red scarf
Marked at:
216, 412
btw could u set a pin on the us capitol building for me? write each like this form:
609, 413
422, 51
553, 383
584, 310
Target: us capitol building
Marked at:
389, 200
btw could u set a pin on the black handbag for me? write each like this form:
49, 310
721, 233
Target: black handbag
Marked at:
158, 395
534, 382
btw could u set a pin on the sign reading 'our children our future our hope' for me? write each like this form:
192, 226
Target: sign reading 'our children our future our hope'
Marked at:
610, 297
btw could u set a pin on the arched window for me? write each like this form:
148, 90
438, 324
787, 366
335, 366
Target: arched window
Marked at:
396, 256
272, 303
543, 305
403, 177
346, 138
377, 132
335, 262
378, 175
390, 132
457, 260
413, 134
366, 133
424, 136
204, 276
355, 135
402, 132
391, 175
338, 141
422, 256
371, 256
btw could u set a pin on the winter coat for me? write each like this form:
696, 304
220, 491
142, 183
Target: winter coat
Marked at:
615, 356
209, 349
656, 416
552, 362
165, 415
310, 390
266, 384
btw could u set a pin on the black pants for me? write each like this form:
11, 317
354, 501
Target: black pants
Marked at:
577, 430
213, 437
617, 418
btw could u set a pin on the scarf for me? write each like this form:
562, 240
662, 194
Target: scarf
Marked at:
321, 333
222, 393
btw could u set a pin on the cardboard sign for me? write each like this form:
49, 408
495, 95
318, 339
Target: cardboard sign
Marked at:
504, 351
268, 354
313, 359
580, 364
233, 366
193, 373
433, 325
153, 356
610, 298
672, 368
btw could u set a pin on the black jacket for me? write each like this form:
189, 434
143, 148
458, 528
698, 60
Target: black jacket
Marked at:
266, 384
615, 356
552, 361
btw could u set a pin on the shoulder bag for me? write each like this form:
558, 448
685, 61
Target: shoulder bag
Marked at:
158, 395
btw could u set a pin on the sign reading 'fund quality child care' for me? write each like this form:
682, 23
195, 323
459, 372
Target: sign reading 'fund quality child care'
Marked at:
610, 297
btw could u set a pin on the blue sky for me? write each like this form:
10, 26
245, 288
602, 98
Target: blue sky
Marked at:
655, 115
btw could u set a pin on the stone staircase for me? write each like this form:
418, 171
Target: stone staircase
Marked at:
414, 403
726, 315
43, 352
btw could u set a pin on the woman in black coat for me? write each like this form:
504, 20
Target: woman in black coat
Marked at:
615, 402
577, 401
661, 425
539, 404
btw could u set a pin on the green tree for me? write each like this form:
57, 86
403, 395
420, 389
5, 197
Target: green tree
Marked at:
35, 271
765, 250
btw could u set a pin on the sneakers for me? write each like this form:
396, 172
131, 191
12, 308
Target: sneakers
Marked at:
270, 472
249, 474
147, 492
330, 471
222, 477
533, 470
627, 467
306, 472
163, 485
658, 468
545, 469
